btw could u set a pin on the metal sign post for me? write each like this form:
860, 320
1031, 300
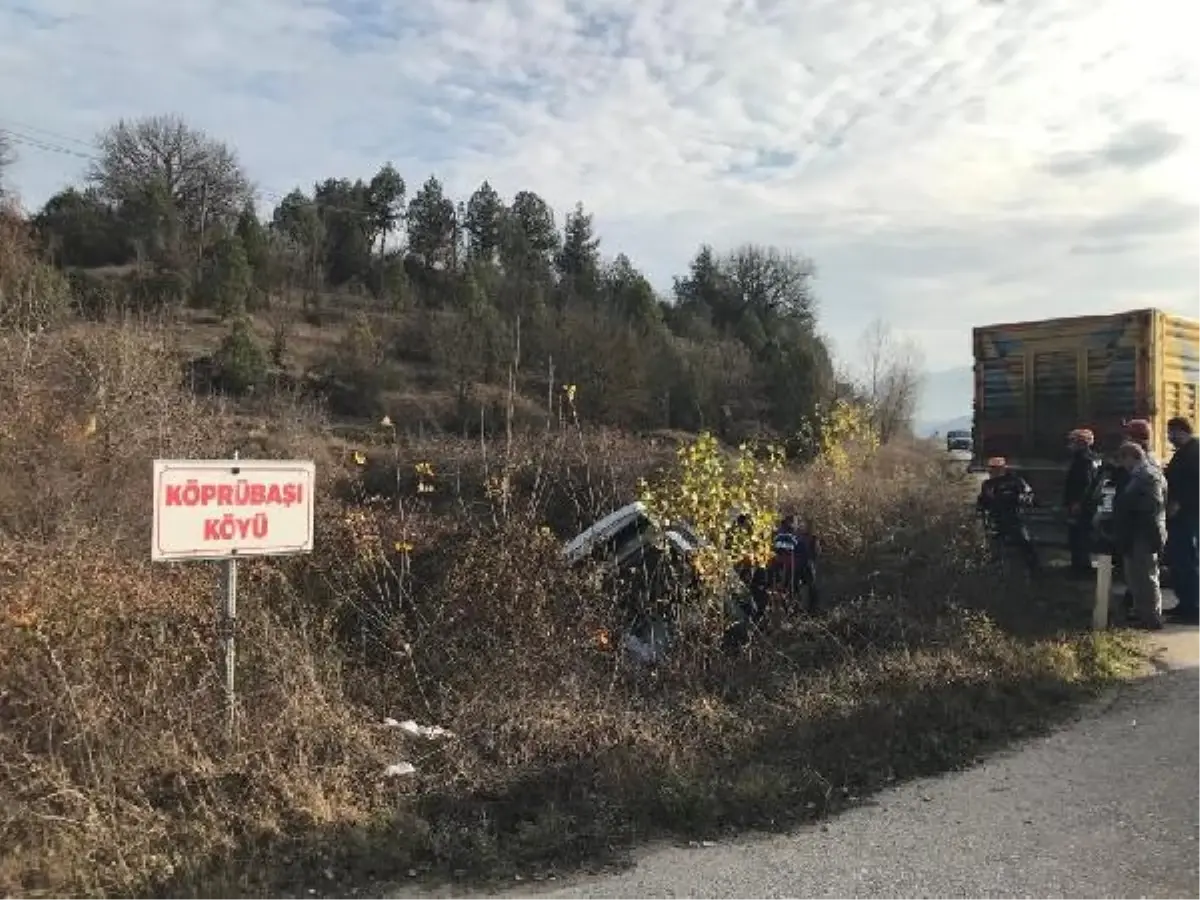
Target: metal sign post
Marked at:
1103, 596
229, 643
224, 510
229, 634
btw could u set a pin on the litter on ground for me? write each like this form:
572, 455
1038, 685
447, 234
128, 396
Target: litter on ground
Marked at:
412, 729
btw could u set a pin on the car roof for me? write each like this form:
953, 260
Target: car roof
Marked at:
604, 528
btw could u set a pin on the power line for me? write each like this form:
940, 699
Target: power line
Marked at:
58, 135
36, 143
26, 140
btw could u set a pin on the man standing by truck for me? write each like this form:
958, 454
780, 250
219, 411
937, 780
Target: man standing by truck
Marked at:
1137, 431
1183, 521
1002, 498
1139, 528
1077, 493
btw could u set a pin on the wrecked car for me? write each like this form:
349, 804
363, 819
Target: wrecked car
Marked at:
649, 569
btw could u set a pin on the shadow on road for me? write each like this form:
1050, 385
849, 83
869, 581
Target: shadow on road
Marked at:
1036, 808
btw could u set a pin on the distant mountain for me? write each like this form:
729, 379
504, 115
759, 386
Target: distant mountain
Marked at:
930, 428
946, 401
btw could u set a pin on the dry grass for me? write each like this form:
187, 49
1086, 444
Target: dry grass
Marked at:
115, 778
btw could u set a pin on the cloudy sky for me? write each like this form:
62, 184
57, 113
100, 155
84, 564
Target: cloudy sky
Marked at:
945, 162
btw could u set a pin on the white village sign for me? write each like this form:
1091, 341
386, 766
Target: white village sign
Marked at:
218, 509
226, 509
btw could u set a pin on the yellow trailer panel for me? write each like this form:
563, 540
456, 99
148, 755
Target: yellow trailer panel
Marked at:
1035, 381
1177, 370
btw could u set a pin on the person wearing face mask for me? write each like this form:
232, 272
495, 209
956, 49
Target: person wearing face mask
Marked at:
1183, 521
1139, 532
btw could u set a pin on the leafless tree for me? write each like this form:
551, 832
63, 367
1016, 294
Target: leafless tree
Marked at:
892, 373
769, 280
169, 175
7, 157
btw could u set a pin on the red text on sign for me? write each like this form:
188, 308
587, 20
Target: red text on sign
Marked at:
229, 526
244, 493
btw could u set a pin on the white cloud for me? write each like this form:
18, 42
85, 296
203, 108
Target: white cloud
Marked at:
946, 162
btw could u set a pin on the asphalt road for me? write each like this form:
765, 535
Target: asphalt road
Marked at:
1107, 807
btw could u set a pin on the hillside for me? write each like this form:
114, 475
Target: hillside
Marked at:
939, 428
410, 298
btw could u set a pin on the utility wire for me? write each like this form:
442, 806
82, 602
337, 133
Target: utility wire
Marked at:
57, 135
26, 136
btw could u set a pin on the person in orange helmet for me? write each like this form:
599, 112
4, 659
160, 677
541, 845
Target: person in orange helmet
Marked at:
1138, 431
1001, 498
1077, 494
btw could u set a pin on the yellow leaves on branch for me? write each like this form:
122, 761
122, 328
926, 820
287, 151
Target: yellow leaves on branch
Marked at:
708, 489
842, 434
360, 532
425, 477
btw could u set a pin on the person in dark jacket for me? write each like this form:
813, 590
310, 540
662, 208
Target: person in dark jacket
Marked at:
1001, 498
794, 563
808, 548
1077, 493
1139, 528
1183, 521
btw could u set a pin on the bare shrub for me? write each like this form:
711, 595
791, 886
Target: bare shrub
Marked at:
33, 294
114, 765
890, 378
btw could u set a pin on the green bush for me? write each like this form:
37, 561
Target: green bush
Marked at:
241, 362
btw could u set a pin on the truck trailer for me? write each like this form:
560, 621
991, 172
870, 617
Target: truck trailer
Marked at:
1036, 381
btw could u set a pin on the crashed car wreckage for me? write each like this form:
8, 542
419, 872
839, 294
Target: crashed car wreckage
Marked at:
648, 567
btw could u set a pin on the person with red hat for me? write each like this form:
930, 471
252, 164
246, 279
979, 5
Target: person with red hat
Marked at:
1077, 493
1001, 499
1138, 431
